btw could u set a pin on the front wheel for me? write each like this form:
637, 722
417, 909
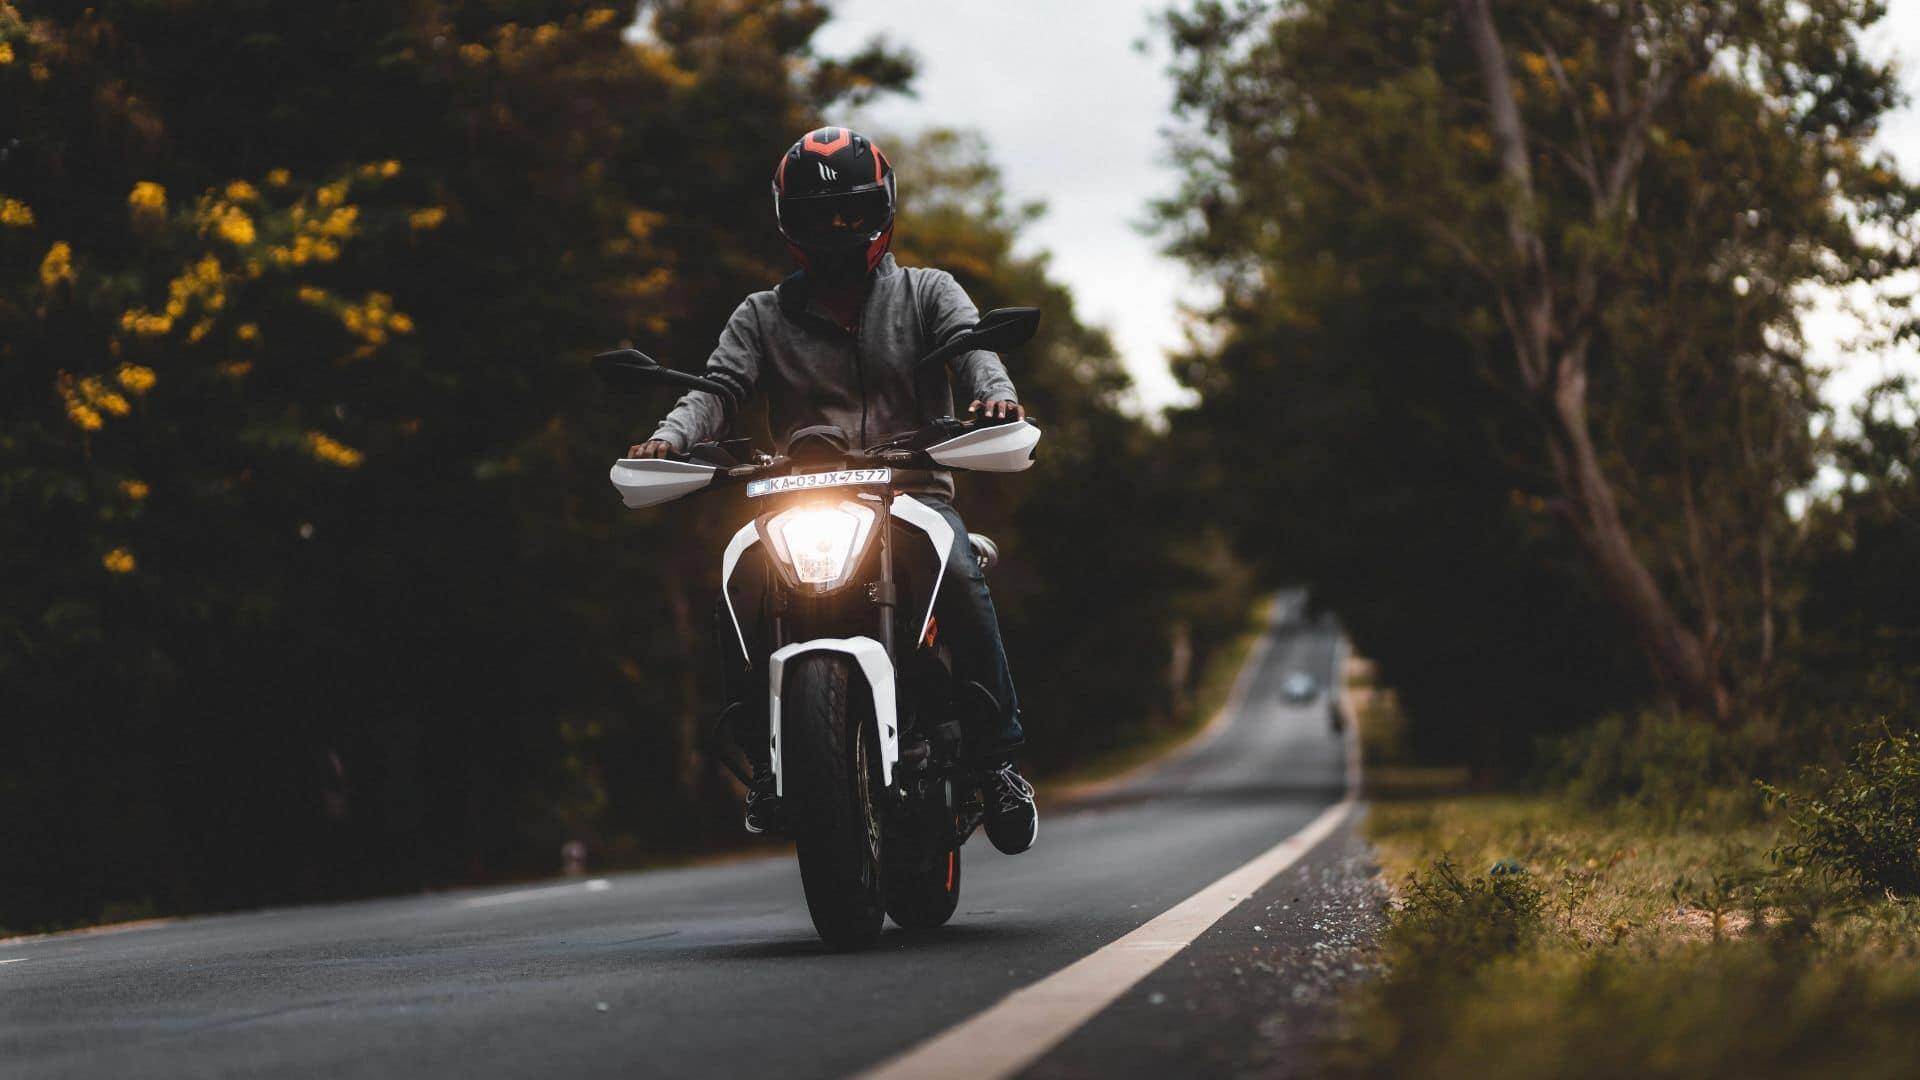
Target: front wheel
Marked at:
825, 764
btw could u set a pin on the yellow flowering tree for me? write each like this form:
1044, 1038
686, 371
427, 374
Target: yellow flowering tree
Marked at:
293, 393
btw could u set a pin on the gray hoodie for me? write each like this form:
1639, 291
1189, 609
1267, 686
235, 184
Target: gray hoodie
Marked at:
782, 344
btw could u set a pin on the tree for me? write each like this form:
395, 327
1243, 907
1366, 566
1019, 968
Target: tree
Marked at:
295, 324
1616, 205
311, 583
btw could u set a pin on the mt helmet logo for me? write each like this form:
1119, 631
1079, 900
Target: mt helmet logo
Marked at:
825, 172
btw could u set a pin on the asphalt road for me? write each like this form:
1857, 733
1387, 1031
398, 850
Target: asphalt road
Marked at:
715, 970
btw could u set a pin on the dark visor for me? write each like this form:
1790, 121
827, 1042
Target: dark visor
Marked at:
827, 218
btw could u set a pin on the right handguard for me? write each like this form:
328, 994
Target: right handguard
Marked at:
1002, 448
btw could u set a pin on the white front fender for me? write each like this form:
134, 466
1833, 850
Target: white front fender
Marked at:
872, 660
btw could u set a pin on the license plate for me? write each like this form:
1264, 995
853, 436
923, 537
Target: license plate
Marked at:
780, 485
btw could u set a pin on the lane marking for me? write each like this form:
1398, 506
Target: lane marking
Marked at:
596, 885
1024, 1025
15, 960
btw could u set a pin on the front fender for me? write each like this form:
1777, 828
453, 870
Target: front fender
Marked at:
871, 658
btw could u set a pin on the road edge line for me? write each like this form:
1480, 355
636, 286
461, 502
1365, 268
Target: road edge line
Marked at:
1022, 1027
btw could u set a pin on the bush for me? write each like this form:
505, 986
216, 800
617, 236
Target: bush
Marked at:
1863, 827
1446, 921
1656, 760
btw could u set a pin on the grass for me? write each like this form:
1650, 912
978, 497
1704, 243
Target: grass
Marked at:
1533, 936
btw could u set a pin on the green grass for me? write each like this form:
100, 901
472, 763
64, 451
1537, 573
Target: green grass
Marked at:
1537, 937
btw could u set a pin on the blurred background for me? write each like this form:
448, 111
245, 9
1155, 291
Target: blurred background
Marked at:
312, 585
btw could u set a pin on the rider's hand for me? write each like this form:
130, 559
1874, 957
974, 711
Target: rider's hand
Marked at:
652, 448
997, 410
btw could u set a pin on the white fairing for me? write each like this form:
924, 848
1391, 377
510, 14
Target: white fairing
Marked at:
652, 481
928, 520
742, 540
1001, 448
873, 663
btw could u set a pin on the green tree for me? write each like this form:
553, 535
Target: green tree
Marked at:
328, 609
311, 582
1581, 231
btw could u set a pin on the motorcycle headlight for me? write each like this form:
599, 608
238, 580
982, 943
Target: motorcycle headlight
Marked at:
819, 545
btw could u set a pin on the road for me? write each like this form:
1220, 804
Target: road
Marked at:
715, 970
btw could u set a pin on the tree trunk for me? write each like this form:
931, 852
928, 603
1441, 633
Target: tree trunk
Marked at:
1551, 336
1678, 657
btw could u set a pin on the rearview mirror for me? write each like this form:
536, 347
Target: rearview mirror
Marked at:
997, 331
1004, 328
627, 371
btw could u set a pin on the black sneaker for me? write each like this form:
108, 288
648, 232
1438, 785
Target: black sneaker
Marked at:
763, 806
1013, 821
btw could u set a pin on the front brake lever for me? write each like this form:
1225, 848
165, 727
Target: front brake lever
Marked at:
741, 472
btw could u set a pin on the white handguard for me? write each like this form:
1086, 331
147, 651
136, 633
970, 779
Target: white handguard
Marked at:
1000, 448
651, 481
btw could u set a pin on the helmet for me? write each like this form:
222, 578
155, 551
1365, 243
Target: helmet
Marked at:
833, 194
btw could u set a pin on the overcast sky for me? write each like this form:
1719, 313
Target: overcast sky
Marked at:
1072, 115
1072, 112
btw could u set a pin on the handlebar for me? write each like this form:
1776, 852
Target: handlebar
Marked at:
904, 451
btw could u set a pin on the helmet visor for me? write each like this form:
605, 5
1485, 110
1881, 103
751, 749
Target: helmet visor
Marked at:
852, 217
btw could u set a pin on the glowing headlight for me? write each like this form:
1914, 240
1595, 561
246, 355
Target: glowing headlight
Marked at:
820, 544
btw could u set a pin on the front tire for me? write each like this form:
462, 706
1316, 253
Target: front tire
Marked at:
825, 762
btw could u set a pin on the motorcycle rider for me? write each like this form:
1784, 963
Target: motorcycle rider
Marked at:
835, 344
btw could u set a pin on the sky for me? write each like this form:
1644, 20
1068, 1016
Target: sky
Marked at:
1073, 113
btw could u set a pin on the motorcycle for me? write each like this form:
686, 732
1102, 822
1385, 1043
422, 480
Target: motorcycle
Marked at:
865, 716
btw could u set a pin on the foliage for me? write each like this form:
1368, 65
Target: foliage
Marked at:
1862, 827
310, 581
1654, 761
1591, 519
1446, 920
1663, 951
1861, 627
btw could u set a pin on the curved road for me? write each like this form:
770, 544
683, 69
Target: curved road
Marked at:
715, 970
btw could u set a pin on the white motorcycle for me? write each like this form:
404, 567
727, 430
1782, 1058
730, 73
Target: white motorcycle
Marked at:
864, 712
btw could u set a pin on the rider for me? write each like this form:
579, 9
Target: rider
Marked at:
835, 343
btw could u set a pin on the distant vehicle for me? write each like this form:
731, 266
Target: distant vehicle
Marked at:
1300, 688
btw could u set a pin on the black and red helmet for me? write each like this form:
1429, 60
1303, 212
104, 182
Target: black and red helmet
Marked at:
833, 194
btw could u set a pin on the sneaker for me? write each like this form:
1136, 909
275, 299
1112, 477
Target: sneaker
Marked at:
763, 806
1013, 821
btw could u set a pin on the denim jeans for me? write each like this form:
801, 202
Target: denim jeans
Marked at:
967, 620
963, 609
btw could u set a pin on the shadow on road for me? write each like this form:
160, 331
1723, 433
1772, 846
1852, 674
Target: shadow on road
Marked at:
948, 938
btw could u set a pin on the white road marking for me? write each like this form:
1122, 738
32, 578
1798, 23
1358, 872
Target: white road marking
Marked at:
1027, 1023
15, 960
545, 891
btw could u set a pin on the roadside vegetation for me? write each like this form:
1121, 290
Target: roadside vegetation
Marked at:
1542, 935
1510, 339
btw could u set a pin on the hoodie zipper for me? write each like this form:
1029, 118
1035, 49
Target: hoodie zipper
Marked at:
859, 362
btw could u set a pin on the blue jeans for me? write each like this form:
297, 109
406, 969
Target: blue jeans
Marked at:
964, 610
970, 625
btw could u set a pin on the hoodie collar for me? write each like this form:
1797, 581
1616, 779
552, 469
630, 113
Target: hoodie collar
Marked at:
795, 293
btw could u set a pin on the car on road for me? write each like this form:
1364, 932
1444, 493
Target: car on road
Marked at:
1300, 688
